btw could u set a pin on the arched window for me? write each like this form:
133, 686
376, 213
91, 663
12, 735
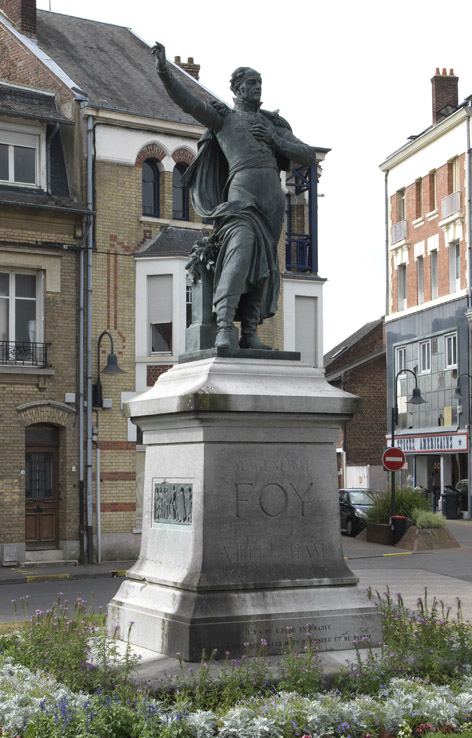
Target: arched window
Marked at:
150, 188
180, 198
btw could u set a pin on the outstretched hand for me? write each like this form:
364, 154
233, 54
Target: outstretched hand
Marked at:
159, 53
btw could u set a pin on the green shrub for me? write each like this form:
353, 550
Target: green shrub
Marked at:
427, 519
406, 501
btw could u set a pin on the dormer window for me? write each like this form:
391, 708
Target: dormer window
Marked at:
19, 157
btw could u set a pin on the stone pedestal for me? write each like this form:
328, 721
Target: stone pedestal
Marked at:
241, 531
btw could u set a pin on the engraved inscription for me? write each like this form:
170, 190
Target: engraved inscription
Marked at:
242, 552
172, 503
273, 499
283, 465
323, 634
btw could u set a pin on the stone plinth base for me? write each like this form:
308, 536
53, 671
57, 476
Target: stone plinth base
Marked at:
241, 534
169, 620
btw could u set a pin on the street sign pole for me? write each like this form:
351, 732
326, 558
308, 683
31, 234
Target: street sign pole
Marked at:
392, 473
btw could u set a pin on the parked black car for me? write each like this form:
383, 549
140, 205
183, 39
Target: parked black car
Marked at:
353, 507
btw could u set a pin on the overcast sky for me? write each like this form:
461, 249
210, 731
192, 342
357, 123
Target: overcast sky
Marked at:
350, 76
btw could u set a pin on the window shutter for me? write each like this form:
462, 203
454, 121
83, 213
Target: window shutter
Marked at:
19, 139
160, 298
40, 307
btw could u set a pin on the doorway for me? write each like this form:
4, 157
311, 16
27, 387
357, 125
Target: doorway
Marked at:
41, 487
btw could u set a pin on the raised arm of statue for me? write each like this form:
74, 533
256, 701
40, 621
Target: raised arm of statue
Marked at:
202, 111
294, 149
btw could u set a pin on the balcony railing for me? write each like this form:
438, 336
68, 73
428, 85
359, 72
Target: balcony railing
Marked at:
450, 205
399, 231
298, 252
23, 353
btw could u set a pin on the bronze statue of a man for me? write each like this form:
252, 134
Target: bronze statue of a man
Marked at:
235, 180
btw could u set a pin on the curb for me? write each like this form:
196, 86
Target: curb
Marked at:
31, 578
379, 556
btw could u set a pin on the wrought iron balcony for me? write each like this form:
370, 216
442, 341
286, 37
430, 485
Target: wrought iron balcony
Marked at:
450, 205
399, 231
23, 353
298, 252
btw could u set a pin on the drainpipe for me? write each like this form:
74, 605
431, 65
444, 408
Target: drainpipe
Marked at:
386, 243
468, 111
81, 404
469, 210
88, 350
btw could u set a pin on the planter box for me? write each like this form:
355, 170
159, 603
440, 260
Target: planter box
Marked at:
379, 533
427, 539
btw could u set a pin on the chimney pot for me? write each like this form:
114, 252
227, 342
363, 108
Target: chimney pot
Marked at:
177, 59
190, 60
437, 70
444, 92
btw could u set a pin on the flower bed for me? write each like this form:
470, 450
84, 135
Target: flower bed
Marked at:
417, 686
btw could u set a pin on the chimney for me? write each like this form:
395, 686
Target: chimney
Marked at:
445, 92
189, 66
22, 14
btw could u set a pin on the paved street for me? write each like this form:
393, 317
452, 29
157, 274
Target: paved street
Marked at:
96, 592
446, 573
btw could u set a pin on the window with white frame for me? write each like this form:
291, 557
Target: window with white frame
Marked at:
21, 317
454, 267
160, 312
400, 359
450, 350
19, 158
434, 274
425, 357
420, 279
402, 297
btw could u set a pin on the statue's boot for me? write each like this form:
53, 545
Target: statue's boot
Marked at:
250, 309
225, 312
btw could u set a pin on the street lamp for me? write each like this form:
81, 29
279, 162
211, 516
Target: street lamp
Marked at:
111, 368
415, 399
458, 396
97, 401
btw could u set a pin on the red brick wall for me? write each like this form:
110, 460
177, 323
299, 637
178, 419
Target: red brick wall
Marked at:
154, 371
364, 435
21, 66
424, 229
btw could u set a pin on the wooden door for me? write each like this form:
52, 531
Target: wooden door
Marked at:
42, 487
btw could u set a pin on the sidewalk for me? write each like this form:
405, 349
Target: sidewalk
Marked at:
59, 570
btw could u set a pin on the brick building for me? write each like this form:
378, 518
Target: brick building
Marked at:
429, 287
357, 365
124, 146
42, 222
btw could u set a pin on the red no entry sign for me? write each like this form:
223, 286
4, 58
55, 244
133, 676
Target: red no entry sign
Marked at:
393, 459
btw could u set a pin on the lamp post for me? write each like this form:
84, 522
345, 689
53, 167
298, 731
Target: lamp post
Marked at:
97, 401
458, 396
111, 368
415, 399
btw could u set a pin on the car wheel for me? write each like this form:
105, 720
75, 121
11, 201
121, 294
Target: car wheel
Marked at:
350, 528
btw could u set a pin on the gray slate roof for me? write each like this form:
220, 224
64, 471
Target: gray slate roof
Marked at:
171, 242
351, 341
111, 65
32, 199
30, 104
